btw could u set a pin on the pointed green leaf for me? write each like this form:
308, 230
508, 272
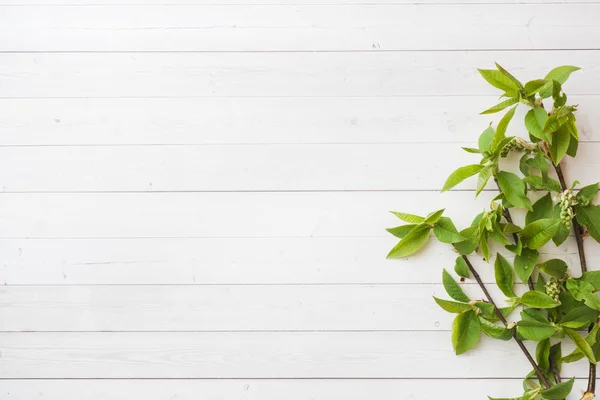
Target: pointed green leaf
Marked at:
504, 276
486, 138
410, 218
559, 74
532, 87
434, 217
513, 189
542, 355
535, 120
554, 267
579, 317
460, 175
461, 268
559, 144
536, 299
507, 74
558, 391
593, 278
453, 289
501, 106
401, 231
483, 178
495, 331
590, 218
581, 344
498, 80
525, 262
446, 232
541, 209
587, 193
501, 129
452, 306
465, 331
539, 232
412, 242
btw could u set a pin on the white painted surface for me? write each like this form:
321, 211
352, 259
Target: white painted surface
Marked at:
194, 195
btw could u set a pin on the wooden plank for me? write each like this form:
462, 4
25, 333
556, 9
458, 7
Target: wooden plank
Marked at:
131, 308
280, 74
62, 3
297, 120
259, 355
317, 260
300, 27
289, 389
223, 215
250, 167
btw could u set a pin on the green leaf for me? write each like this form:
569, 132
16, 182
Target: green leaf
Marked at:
460, 175
537, 182
461, 267
446, 232
587, 193
484, 176
412, 242
468, 246
485, 139
465, 331
495, 331
452, 306
535, 120
558, 391
525, 262
532, 87
590, 218
576, 354
472, 150
498, 80
563, 232
501, 129
410, 218
559, 144
554, 267
536, 299
401, 231
513, 189
542, 355
539, 232
583, 291
593, 278
505, 278
434, 217
541, 209
559, 74
534, 325
581, 344
579, 317
501, 106
507, 74
453, 289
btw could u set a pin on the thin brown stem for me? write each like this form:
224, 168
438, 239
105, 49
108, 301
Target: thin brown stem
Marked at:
545, 382
508, 218
591, 387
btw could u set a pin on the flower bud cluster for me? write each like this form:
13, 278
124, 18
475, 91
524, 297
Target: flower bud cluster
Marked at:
516, 144
567, 201
553, 288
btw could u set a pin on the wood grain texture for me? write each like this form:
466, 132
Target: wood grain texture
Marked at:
298, 120
251, 168
258, 355
253, 389
299, 28
330, 74
258, 308
264, 261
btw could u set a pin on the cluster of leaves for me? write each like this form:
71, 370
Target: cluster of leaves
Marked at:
557, 306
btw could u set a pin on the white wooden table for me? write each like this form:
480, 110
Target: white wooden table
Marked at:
194, 195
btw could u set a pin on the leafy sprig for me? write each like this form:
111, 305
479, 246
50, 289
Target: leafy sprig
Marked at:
558, 306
